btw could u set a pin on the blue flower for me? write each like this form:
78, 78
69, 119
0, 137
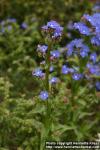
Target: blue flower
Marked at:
44, 28
88, 18
2, 30
88, 65
56, 31
51, 68
83, 53
65, 69
95, 40
70, 49
2, 22
38, 72
93, 57
78, 43
83, 29
97, 85
11, 20
42, 48
44, 95
96, 7
95, 70
9, 27
53, 80
77, 76
24, 25
94, 19
55, 54
71, 70
74, 46
70, 25
53, 25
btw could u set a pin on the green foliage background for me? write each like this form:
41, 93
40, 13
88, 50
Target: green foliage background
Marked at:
22, 114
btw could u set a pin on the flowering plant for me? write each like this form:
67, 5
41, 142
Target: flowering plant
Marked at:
81, 68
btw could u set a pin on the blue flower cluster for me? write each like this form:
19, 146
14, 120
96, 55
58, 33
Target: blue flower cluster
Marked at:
67, 70
90, 26
38, 73
53, 32
8, 24
42, 49
87, 60
94, 69
72, 71
82, 28
55, 54
77, 47
54, 29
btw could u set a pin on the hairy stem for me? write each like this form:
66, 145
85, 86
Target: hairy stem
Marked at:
48, 67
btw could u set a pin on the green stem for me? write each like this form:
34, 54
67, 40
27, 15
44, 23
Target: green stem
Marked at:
47, 78
48, 113
48, 67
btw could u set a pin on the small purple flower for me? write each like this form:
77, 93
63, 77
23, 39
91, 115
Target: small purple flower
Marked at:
53, 80
93, 57
73, 45
71, 70
70, 25
42, 62
38, 73
95, 40
97, 85
57, 34
95, 70
70, 49
83, 53
87, 18
65, 69
51, 69
2, 22
96, 7
77, 76
2, 30
94, 19
44, 95
11, 20
56, 29
24, 25
44, 28
9, 27
83, 29
86, 48
55, 54
53, 24
42, 48
89, 65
